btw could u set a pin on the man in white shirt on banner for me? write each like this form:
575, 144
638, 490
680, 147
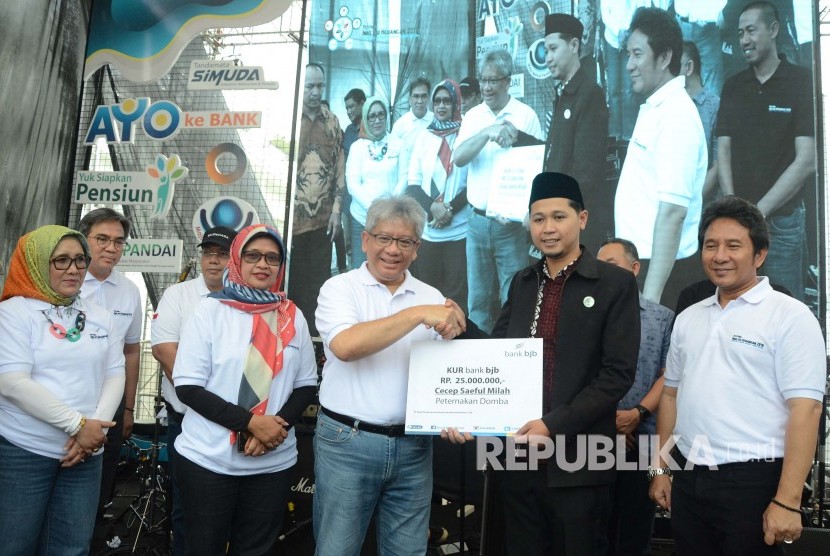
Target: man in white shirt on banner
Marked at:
107, 231
174, 308
408, 126
486, 132
660, 192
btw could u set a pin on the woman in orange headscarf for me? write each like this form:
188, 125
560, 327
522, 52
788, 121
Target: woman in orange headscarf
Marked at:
245, 367
61, 379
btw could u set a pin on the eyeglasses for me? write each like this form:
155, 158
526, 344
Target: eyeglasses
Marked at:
378, 117
222, 255
253, 257
103, 242
420, 97
442, 101
404, 243
64, 262
492, 82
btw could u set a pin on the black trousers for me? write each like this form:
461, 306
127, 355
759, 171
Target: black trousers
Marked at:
631, 522
310, 268
241, 512
543, 521
443, 265
721, 511
111, 455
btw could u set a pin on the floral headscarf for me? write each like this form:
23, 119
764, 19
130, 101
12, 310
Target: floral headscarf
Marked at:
450, 126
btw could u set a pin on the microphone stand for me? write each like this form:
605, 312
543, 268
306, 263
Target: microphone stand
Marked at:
156, 480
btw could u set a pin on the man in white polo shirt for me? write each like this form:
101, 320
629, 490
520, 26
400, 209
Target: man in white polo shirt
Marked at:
486, 132
106, 232
174, 308
368, 319
408, 126
660, 192
745, 379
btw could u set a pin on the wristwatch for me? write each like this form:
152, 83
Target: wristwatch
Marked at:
654, 471
644, 413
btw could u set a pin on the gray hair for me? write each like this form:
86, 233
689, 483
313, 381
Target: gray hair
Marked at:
396, 207
628, 246
103, 215
500, 59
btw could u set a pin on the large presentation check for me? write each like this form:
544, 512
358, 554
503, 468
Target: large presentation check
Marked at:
511, 180
484, 387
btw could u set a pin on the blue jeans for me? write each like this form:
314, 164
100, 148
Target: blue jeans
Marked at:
623, 103
707, 40
174, 429
495, 252
356, 233
787, 251
360, 475
46, 509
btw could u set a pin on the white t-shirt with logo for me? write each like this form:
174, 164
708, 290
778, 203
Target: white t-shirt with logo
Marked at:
212, 352
175, 306
73, 372
121, 298
735, 368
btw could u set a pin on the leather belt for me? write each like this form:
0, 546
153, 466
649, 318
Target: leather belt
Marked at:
684, 464
478, 211
386, 430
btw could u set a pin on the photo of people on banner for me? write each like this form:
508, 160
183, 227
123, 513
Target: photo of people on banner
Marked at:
657, 108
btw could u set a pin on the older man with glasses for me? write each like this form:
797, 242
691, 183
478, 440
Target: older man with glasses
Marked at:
368, 319
106, 231
174, 309
486, 131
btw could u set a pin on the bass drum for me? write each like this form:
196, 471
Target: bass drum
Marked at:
297, 535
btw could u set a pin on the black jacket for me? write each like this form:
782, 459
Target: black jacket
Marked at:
596, 356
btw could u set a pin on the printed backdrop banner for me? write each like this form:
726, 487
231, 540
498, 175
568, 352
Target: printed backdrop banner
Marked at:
381, 46
143, 38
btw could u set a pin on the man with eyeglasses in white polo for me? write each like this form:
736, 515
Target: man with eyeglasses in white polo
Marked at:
487, 129
174, 308
107, 231
368, 319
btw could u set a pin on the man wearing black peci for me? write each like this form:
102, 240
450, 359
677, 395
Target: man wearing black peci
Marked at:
587, 312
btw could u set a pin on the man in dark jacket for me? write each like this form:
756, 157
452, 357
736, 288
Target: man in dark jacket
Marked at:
587, 313
576, 143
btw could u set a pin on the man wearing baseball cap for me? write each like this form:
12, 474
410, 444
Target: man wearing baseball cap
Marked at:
174, 308
470, 93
